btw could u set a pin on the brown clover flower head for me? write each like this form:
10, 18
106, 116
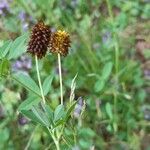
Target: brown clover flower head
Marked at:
60, 43
39, 40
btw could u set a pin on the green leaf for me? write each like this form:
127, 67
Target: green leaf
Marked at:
107, 71
59, 112
59, 122
45, 129
5, 48
69, 140
4, 67
99, 85
87, 132
4, 136
69, 111
28, 103
109, 111
47, 84
18, 47
41, 116
29, 114
49, 113
27, 82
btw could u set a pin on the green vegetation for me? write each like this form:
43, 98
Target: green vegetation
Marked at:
107, 72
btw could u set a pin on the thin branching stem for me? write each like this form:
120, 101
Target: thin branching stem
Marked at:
60, 78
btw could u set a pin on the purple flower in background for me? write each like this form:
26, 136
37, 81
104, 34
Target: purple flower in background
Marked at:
106, 37
24, 64
22, 120
25, 20
22, 16
4, 7
80, 106
147, 73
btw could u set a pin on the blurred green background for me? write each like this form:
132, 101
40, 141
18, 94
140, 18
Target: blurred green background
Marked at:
110, 52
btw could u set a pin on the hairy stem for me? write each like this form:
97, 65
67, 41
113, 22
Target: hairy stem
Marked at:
60, 78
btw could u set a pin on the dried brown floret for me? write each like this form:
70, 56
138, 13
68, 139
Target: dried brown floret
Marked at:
39, 40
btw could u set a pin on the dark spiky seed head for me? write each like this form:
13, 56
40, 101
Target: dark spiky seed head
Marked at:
39, 40
60, 43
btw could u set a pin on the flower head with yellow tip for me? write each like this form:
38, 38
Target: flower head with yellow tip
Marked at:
60, 43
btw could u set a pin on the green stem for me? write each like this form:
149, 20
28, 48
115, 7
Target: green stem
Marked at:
57, 145
61, 132
116, 56
39, 79
60, 78
116, 46
115, 103
115, 38
43, 98
56, 141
